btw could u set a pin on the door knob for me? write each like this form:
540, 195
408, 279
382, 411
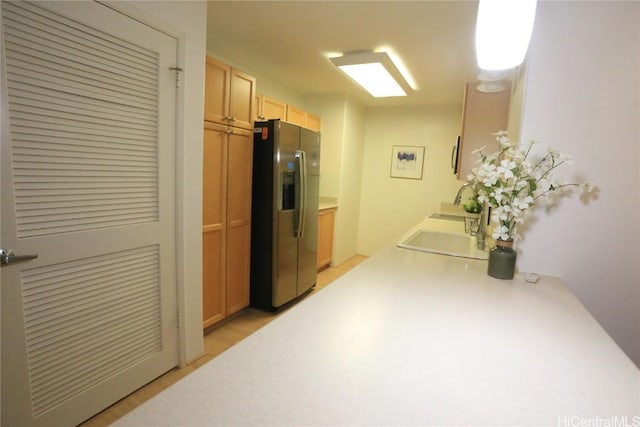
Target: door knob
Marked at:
8, 257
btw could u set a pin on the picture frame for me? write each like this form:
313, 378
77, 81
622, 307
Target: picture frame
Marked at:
407, 161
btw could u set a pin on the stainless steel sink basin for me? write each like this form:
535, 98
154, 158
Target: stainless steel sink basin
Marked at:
453, 244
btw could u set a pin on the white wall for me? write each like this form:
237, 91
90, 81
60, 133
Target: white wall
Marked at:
518, 90
583, 97
187, 20
390, 206
346, 227
342, 142
331, 109
274, 89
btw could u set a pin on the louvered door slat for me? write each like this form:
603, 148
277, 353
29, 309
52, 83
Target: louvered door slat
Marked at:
44, 59
55, 112
75, 63
63, 315
85, 39
38, 289
50, 104
60, 285
50, 62
62, 381
72, 137
81, 124
125, 195
86, 378
51, 97
65, 343
56, 354
84, 208
89, 87
73, 154
55, 206
61, 353
33, 158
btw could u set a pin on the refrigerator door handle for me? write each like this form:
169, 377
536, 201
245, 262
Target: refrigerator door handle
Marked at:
302, 194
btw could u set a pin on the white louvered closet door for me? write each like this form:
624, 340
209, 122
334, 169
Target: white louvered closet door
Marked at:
88, 177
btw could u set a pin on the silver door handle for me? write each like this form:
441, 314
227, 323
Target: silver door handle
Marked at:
302, 191
8, 257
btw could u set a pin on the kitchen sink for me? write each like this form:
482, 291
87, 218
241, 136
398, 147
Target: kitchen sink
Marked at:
453, 244
447, 217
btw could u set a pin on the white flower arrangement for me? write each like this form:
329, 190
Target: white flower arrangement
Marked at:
511, 180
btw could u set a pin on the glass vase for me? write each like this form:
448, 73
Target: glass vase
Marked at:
502, 260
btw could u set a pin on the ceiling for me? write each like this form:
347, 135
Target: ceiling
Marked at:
287, 41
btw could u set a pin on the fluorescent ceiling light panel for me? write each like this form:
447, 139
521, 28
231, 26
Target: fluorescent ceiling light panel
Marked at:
375, 72
503, 31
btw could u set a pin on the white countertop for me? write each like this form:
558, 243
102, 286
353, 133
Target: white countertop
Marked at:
327, 205
413, 338
327, 202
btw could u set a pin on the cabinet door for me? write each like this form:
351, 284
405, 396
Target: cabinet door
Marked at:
296, 116
325, 237
243, 93
214, 194
240, 166
272, 109
484, 114
313, 122
216, 91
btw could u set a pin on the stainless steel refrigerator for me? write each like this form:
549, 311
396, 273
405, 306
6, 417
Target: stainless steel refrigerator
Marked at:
284, 217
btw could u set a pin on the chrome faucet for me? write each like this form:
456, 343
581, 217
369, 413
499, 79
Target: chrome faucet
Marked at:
482, 225
456, 201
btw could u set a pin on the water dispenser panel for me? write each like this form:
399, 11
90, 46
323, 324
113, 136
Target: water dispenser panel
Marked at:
288, 190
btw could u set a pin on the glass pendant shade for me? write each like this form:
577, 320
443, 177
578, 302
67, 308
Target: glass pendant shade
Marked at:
503, 31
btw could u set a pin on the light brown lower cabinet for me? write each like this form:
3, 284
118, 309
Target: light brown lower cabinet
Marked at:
326, 220
226, 216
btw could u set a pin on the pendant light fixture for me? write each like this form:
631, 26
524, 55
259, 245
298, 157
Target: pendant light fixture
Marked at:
503, 31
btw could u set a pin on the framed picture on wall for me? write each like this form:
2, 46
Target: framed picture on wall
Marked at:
407, 161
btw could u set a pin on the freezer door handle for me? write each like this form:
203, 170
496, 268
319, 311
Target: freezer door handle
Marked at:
302, 194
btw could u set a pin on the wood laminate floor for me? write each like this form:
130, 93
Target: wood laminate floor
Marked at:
216, 340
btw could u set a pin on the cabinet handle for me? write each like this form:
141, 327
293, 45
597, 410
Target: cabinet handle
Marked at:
455, 156
453, 153
230, 118
230, 131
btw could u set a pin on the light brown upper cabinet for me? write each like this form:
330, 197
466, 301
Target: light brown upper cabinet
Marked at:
302, 118
483, 115
296, 116
229, 95
313, 122
269, 108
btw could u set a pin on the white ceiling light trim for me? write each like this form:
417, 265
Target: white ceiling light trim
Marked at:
503, 31
374, 71
399, 64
